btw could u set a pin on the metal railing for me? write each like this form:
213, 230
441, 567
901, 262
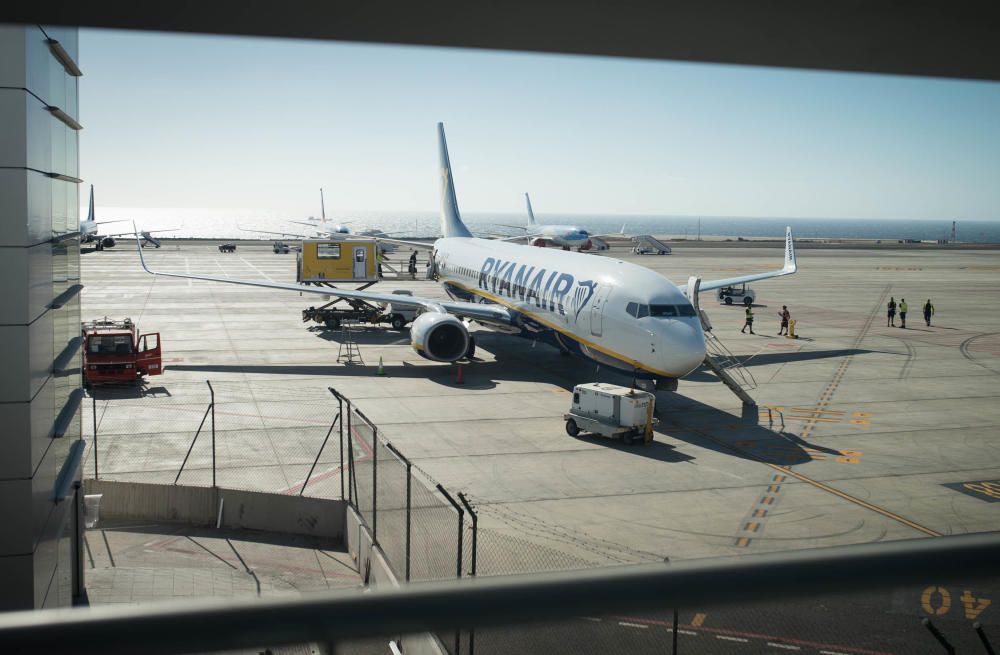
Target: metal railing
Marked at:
277, 446
200, 625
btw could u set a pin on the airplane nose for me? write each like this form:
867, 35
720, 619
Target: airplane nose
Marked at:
685, 346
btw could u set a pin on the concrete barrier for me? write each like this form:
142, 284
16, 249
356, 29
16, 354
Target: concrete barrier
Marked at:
251, 510
373, 565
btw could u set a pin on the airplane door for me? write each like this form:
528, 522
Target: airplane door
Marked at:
360, 262
149, 357
597, 311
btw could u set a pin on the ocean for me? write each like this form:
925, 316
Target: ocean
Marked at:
236, 223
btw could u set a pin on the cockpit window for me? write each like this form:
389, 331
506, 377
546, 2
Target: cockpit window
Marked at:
662, 311
659, 311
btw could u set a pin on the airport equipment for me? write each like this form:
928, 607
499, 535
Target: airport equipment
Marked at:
114, 352
349, 352
280, 248
333, 315
612, 411
227, 247
341, 260
741, 293
647, 245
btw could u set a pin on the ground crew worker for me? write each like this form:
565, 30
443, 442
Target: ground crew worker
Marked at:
902, 313
891, 322
413, 265
928, 312
749, 321
785, 316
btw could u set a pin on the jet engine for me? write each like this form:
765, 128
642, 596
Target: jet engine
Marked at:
538, 242
439, 337
107, 242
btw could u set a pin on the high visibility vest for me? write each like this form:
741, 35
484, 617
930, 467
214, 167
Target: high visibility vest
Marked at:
902, 307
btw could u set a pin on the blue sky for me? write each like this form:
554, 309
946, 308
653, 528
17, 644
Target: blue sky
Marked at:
223, 122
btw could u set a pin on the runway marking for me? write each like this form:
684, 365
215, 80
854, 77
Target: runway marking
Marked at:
785, 646
857, 501
728, 638
633, 625
841, 649
817, 411
827, 395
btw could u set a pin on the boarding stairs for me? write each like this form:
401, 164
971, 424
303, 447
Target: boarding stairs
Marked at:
728, 368
349, 352
718, 358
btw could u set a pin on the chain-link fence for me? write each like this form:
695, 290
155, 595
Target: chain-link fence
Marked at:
235, 435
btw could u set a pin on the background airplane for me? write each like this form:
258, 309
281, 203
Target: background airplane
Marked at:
566, 237
615, 313
90, 230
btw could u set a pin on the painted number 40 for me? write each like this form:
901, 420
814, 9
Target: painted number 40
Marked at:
936, 601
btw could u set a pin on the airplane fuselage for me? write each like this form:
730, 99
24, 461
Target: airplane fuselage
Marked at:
564, 236
590, 306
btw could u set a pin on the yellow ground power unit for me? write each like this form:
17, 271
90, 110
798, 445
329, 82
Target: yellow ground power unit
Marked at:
339, 260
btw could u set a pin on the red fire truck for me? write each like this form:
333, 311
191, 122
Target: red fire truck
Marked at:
115, 352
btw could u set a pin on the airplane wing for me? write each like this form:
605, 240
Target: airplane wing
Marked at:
485, 313
321, 224
130, 233
516, 227
788, 269
421, 245
282, 234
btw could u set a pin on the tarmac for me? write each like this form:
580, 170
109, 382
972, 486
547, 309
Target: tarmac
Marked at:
862, 432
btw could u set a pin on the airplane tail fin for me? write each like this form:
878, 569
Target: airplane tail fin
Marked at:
531, 214
790, 265
90, 212
322, 206
451, 219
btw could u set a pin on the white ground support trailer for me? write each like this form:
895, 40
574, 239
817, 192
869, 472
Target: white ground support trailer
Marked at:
740, 293
611, 411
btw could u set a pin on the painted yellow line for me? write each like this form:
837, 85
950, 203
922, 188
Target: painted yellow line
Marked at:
751, 526
817, 411
857, 501
774, 488
563, 331
779, 478
813, 418
743, 542
760, 513
767, 500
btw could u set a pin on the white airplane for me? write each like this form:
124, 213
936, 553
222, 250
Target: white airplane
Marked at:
566, 237
325, 229
617, 314
89, 230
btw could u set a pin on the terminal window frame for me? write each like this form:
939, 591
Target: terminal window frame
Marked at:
327, 251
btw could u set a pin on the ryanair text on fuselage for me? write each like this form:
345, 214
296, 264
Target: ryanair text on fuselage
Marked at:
547, 289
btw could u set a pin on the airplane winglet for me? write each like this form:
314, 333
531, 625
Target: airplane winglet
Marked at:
790, 265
